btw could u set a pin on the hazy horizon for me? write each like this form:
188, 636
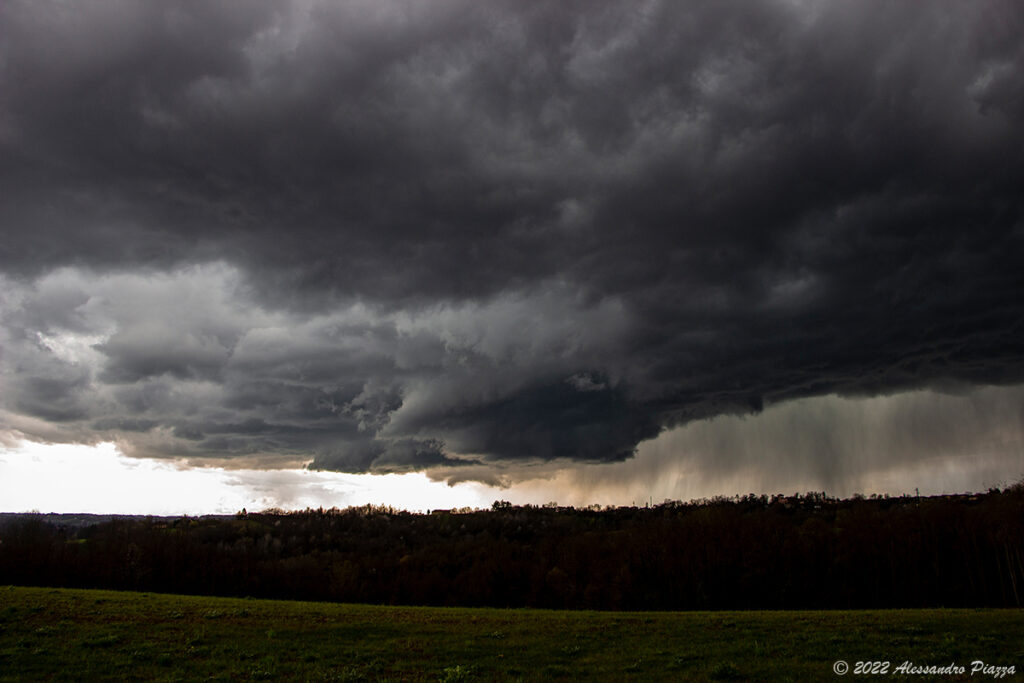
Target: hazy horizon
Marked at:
582, 252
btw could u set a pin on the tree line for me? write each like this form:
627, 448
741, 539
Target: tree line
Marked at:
753, 552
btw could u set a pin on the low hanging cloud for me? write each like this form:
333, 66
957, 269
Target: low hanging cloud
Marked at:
190, 364
472, 236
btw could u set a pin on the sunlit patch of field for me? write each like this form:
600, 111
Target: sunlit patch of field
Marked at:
62, 634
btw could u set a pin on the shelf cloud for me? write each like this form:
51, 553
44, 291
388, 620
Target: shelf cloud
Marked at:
477, 236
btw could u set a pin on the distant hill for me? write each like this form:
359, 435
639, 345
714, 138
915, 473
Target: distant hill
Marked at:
79, 520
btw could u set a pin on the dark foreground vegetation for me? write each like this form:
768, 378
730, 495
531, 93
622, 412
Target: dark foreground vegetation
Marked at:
799, 552
78, 635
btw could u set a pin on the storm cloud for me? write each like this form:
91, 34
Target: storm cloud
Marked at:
391, 236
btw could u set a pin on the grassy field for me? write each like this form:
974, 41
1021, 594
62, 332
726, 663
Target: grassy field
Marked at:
58, 634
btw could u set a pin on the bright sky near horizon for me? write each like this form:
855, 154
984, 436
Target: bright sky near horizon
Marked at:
99, 479
584, 251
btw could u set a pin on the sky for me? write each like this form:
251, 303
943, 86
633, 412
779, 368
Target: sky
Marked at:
434, 254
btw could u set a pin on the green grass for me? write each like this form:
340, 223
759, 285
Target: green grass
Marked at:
59, 634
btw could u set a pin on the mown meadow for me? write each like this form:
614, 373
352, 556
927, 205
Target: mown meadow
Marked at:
72, 634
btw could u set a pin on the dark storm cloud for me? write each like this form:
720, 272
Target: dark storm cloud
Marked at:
394, 235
